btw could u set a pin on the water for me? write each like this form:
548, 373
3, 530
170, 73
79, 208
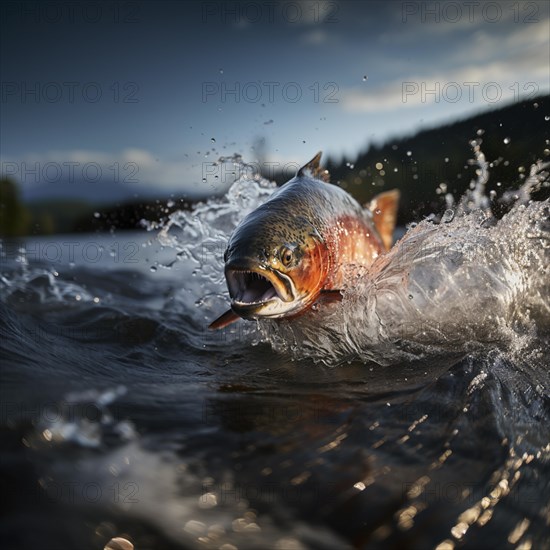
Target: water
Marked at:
413, 414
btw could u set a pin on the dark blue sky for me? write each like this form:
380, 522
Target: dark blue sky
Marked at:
139, 89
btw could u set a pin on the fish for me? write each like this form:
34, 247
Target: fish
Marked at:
289, 253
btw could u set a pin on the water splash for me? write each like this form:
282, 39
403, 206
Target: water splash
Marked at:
460, 285
466, 284
33, 286
442, 289
199, 238
476, 198
84, 418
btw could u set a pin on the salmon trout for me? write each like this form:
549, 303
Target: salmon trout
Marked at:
290, 251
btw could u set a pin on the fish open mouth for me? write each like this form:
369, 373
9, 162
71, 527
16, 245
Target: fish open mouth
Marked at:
253, 288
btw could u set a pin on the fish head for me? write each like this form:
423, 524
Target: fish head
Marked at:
275, 265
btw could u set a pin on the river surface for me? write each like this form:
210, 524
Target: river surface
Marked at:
415, 413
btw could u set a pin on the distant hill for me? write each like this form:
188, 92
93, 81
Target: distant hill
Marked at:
73, 215
96, 192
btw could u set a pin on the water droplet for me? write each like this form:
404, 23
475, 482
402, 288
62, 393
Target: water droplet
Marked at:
221, 71
480, 132
409, 153
379, 166
213, 140
365, 78
119, 543
153, 268
507, 140
97, 215
448, 215
547, 118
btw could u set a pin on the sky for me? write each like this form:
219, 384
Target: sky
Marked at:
105, 98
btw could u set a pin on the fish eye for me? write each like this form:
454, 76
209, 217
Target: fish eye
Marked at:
286, 256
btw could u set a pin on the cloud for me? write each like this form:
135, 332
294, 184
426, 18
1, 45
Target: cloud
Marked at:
472, 84
487, 70
315, 37
436, 19
135, 167
481, 45
311, 12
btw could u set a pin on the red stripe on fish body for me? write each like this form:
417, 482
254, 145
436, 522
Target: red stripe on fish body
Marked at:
351, 240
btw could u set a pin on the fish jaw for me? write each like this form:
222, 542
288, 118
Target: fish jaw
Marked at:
260, 292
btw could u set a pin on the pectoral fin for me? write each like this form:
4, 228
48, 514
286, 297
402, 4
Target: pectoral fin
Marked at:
223, 320
384, 214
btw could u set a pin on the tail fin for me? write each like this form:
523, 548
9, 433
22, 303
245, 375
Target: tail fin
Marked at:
384, 213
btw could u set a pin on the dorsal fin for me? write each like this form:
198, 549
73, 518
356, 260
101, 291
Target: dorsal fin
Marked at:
384, 214
313, 170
